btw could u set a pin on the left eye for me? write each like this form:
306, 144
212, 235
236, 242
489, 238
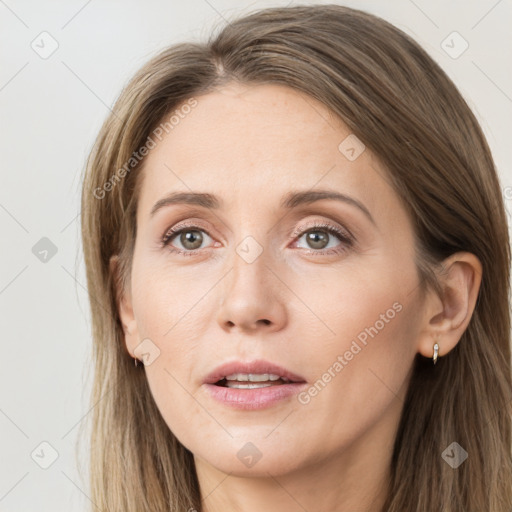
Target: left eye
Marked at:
318, 238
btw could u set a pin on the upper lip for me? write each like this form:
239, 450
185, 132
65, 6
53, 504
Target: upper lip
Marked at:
255, 367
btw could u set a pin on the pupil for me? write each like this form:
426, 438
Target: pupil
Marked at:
314, 239
188, 237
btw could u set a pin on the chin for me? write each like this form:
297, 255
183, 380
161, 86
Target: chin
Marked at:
247, 460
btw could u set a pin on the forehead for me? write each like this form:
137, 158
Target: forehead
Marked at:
248, 143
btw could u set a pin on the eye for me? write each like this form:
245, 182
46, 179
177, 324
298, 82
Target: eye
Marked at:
317, 237
190, 237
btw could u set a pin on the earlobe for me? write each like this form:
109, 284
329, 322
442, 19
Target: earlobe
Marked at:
447, 316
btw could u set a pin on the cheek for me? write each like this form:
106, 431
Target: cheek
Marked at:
361, 358
356, 384
169, 312
167, 297
181, 412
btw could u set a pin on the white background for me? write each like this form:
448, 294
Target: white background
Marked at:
50, 111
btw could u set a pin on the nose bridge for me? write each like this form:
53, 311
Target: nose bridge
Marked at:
251, 242
250, 262
250, 296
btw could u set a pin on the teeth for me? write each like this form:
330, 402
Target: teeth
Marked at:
254, 377
252, 385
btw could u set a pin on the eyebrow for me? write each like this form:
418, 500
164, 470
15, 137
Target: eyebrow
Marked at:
289, 201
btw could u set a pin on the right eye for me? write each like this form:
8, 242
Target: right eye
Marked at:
190, 237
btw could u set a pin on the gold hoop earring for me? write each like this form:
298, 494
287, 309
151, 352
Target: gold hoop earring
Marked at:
436, 353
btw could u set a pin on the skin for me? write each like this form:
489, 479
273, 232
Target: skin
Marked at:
250, 145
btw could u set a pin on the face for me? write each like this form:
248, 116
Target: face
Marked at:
326, 289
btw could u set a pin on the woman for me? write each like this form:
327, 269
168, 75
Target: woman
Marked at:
296, 232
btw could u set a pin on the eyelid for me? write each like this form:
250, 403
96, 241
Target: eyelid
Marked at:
319, 224
174, 230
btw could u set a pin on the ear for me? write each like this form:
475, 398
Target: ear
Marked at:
124, 307
447, 317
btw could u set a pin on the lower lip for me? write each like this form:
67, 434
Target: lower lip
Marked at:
256, 398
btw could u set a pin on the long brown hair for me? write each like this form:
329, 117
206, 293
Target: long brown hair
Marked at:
399, 102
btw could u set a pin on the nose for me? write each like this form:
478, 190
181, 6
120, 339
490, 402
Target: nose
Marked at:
253, 298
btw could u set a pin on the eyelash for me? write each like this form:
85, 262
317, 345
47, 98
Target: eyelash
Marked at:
343, 236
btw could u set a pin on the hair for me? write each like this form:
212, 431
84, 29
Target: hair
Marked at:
406, 110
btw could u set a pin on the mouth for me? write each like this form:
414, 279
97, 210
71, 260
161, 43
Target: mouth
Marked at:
251, 375
254, 391
253, 385
253, 381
